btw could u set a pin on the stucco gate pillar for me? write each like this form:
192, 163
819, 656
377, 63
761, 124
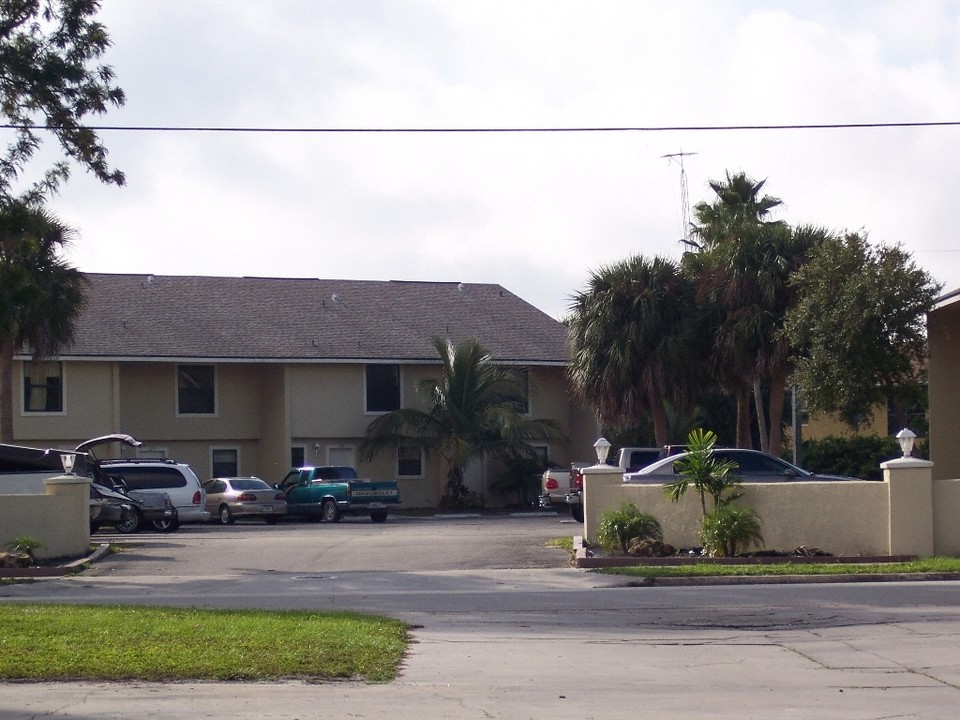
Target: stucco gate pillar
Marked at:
66, 531
602, 490
910, 497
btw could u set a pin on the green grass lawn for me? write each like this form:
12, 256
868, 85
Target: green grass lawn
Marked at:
798, 567
80, 642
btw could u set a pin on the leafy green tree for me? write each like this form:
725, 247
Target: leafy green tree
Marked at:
476, 408
859, 326
703, 472
41, 296
50, 81
633, 333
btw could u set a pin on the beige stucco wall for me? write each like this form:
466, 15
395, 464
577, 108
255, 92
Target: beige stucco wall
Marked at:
902, 515
821, 426
60, 518
943, 342
264, 409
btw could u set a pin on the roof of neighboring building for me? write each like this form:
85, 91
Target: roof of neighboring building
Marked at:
946, 299
306, 320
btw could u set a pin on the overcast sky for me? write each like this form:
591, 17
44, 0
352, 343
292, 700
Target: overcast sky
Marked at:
534, 212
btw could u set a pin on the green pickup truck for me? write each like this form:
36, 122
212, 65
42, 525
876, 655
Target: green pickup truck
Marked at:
329, 492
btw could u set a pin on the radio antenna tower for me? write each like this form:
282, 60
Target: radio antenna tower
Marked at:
677, 158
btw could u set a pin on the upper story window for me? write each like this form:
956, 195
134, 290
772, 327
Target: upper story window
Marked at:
196, 390
383, 388
43, 387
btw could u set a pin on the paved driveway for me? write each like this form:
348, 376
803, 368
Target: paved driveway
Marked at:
401, 544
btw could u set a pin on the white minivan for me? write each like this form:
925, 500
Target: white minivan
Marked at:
175, 479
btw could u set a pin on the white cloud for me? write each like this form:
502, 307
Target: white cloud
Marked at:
533, 212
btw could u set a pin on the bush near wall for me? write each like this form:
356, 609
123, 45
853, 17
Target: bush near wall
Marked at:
858, 456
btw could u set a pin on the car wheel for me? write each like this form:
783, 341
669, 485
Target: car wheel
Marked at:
167, 525
130, 523
226, 517
378, 516
329, 511
576, 511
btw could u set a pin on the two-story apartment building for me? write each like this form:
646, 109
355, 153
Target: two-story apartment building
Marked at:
255, 375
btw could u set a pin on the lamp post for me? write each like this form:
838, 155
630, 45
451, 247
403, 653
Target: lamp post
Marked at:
602, 447
906, 437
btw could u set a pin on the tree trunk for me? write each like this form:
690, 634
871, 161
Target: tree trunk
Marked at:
743, 418
661, 425
6, 392
761, 416
778, 392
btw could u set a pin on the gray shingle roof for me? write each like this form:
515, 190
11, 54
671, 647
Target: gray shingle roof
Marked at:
185, 317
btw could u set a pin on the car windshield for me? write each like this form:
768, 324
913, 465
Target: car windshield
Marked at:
249, 484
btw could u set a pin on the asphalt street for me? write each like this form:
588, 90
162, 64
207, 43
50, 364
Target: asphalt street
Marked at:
503, 627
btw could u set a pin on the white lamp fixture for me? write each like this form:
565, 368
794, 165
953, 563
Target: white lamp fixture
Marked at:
602, 446
906, 437
66, 459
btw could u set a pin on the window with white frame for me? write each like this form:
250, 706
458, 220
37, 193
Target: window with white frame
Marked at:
43, 387
224, 462
196, 390
382, 388
409, 462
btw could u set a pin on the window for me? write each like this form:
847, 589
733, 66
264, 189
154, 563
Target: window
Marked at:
196, 390
543, 455
383, 388
42, 387
409, 462
298, 455
225, 462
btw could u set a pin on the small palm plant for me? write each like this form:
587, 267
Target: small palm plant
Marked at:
707, 474
728, 531
25, 544
619, 527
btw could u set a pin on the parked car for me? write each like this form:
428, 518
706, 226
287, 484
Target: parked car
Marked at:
108, 507
162, 475
752, 466
232, 497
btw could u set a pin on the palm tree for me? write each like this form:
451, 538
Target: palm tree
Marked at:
633, 331
743, 269
476, 408
41, 296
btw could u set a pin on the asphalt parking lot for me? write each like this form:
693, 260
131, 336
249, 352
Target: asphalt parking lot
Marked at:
402, 544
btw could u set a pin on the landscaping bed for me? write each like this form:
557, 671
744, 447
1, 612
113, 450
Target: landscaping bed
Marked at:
586, 555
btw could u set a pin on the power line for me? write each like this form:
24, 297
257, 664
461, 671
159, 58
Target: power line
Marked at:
598, 129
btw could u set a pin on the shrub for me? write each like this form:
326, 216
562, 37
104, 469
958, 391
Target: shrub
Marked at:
618, 527
858, 456
729, 530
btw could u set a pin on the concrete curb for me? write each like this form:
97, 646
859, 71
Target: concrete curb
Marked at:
99, 552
